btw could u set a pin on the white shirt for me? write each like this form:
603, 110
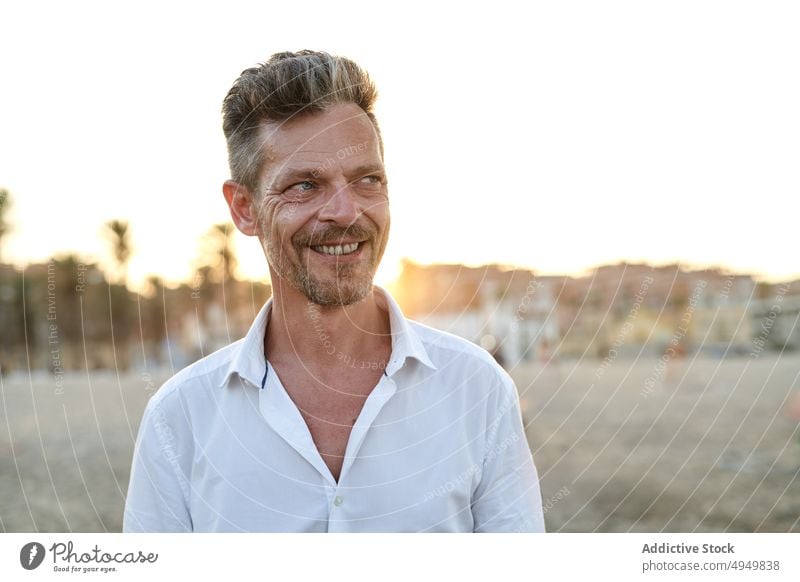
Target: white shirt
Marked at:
439, 446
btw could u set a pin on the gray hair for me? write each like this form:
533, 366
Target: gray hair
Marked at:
288, 84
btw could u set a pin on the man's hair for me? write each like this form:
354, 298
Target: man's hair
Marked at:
288, 84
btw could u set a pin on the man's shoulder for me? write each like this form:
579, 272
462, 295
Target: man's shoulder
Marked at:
446, 349
207, 372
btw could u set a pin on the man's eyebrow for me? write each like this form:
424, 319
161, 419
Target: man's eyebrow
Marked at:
367, 169
298, 174
313, 173
289, 175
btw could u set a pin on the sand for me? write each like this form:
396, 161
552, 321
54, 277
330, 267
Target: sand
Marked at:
705, 445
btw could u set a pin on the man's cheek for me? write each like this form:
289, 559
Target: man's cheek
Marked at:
290, 212
382, 221
271, 218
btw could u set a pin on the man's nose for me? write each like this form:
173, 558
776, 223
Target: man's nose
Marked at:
342, 206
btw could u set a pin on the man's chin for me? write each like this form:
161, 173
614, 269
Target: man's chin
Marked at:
337, 294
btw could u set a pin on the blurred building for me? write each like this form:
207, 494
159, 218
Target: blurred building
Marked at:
629, 310
507, 311
65, 314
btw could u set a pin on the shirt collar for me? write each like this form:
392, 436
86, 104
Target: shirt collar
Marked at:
250, 364
248, 360
405, 341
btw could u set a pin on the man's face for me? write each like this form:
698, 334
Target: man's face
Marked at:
323, 210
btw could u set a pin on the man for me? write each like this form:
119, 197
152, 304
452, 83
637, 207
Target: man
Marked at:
334, 413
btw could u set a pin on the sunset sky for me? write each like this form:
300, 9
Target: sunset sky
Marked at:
558, 138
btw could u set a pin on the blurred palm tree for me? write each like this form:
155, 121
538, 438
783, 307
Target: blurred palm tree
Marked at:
154, 286
120, 304
118, 232
217, 252
153, 317
5, 227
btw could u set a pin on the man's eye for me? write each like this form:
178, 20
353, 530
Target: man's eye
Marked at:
303, 186
372, 180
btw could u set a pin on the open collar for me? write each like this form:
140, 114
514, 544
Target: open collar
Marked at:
406, 343
250, 364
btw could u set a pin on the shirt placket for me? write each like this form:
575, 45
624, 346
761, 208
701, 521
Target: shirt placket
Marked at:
283, 416
342, 500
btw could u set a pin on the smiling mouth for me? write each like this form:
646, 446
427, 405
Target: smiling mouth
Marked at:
335, 250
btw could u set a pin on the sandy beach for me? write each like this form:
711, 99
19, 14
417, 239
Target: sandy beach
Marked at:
703, 445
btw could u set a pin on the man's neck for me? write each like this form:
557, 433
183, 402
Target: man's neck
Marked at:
326, 338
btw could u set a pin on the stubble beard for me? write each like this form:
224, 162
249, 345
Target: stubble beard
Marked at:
351, 283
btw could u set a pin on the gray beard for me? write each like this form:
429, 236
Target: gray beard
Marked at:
345, 291
351, 284
347, 288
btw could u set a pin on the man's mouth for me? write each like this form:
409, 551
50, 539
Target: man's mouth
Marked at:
340, 249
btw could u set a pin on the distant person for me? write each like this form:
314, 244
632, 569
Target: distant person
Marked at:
335, 413
793, 412
674, 356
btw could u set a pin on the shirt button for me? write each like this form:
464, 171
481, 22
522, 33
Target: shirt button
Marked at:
338, 501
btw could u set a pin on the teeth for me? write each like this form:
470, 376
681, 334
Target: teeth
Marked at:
337, 249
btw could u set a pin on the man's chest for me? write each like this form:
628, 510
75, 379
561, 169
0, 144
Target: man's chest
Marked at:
413, 463
330, 408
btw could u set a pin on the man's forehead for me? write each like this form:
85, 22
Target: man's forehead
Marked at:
338, 131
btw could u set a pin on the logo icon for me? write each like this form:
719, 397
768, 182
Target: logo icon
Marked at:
31, 555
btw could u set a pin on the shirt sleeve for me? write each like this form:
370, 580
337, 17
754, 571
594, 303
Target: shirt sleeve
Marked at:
157, 499
507, 498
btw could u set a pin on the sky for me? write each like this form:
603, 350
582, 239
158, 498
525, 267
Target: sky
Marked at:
556, 136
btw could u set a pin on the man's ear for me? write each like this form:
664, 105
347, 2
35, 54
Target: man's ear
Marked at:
242, 205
